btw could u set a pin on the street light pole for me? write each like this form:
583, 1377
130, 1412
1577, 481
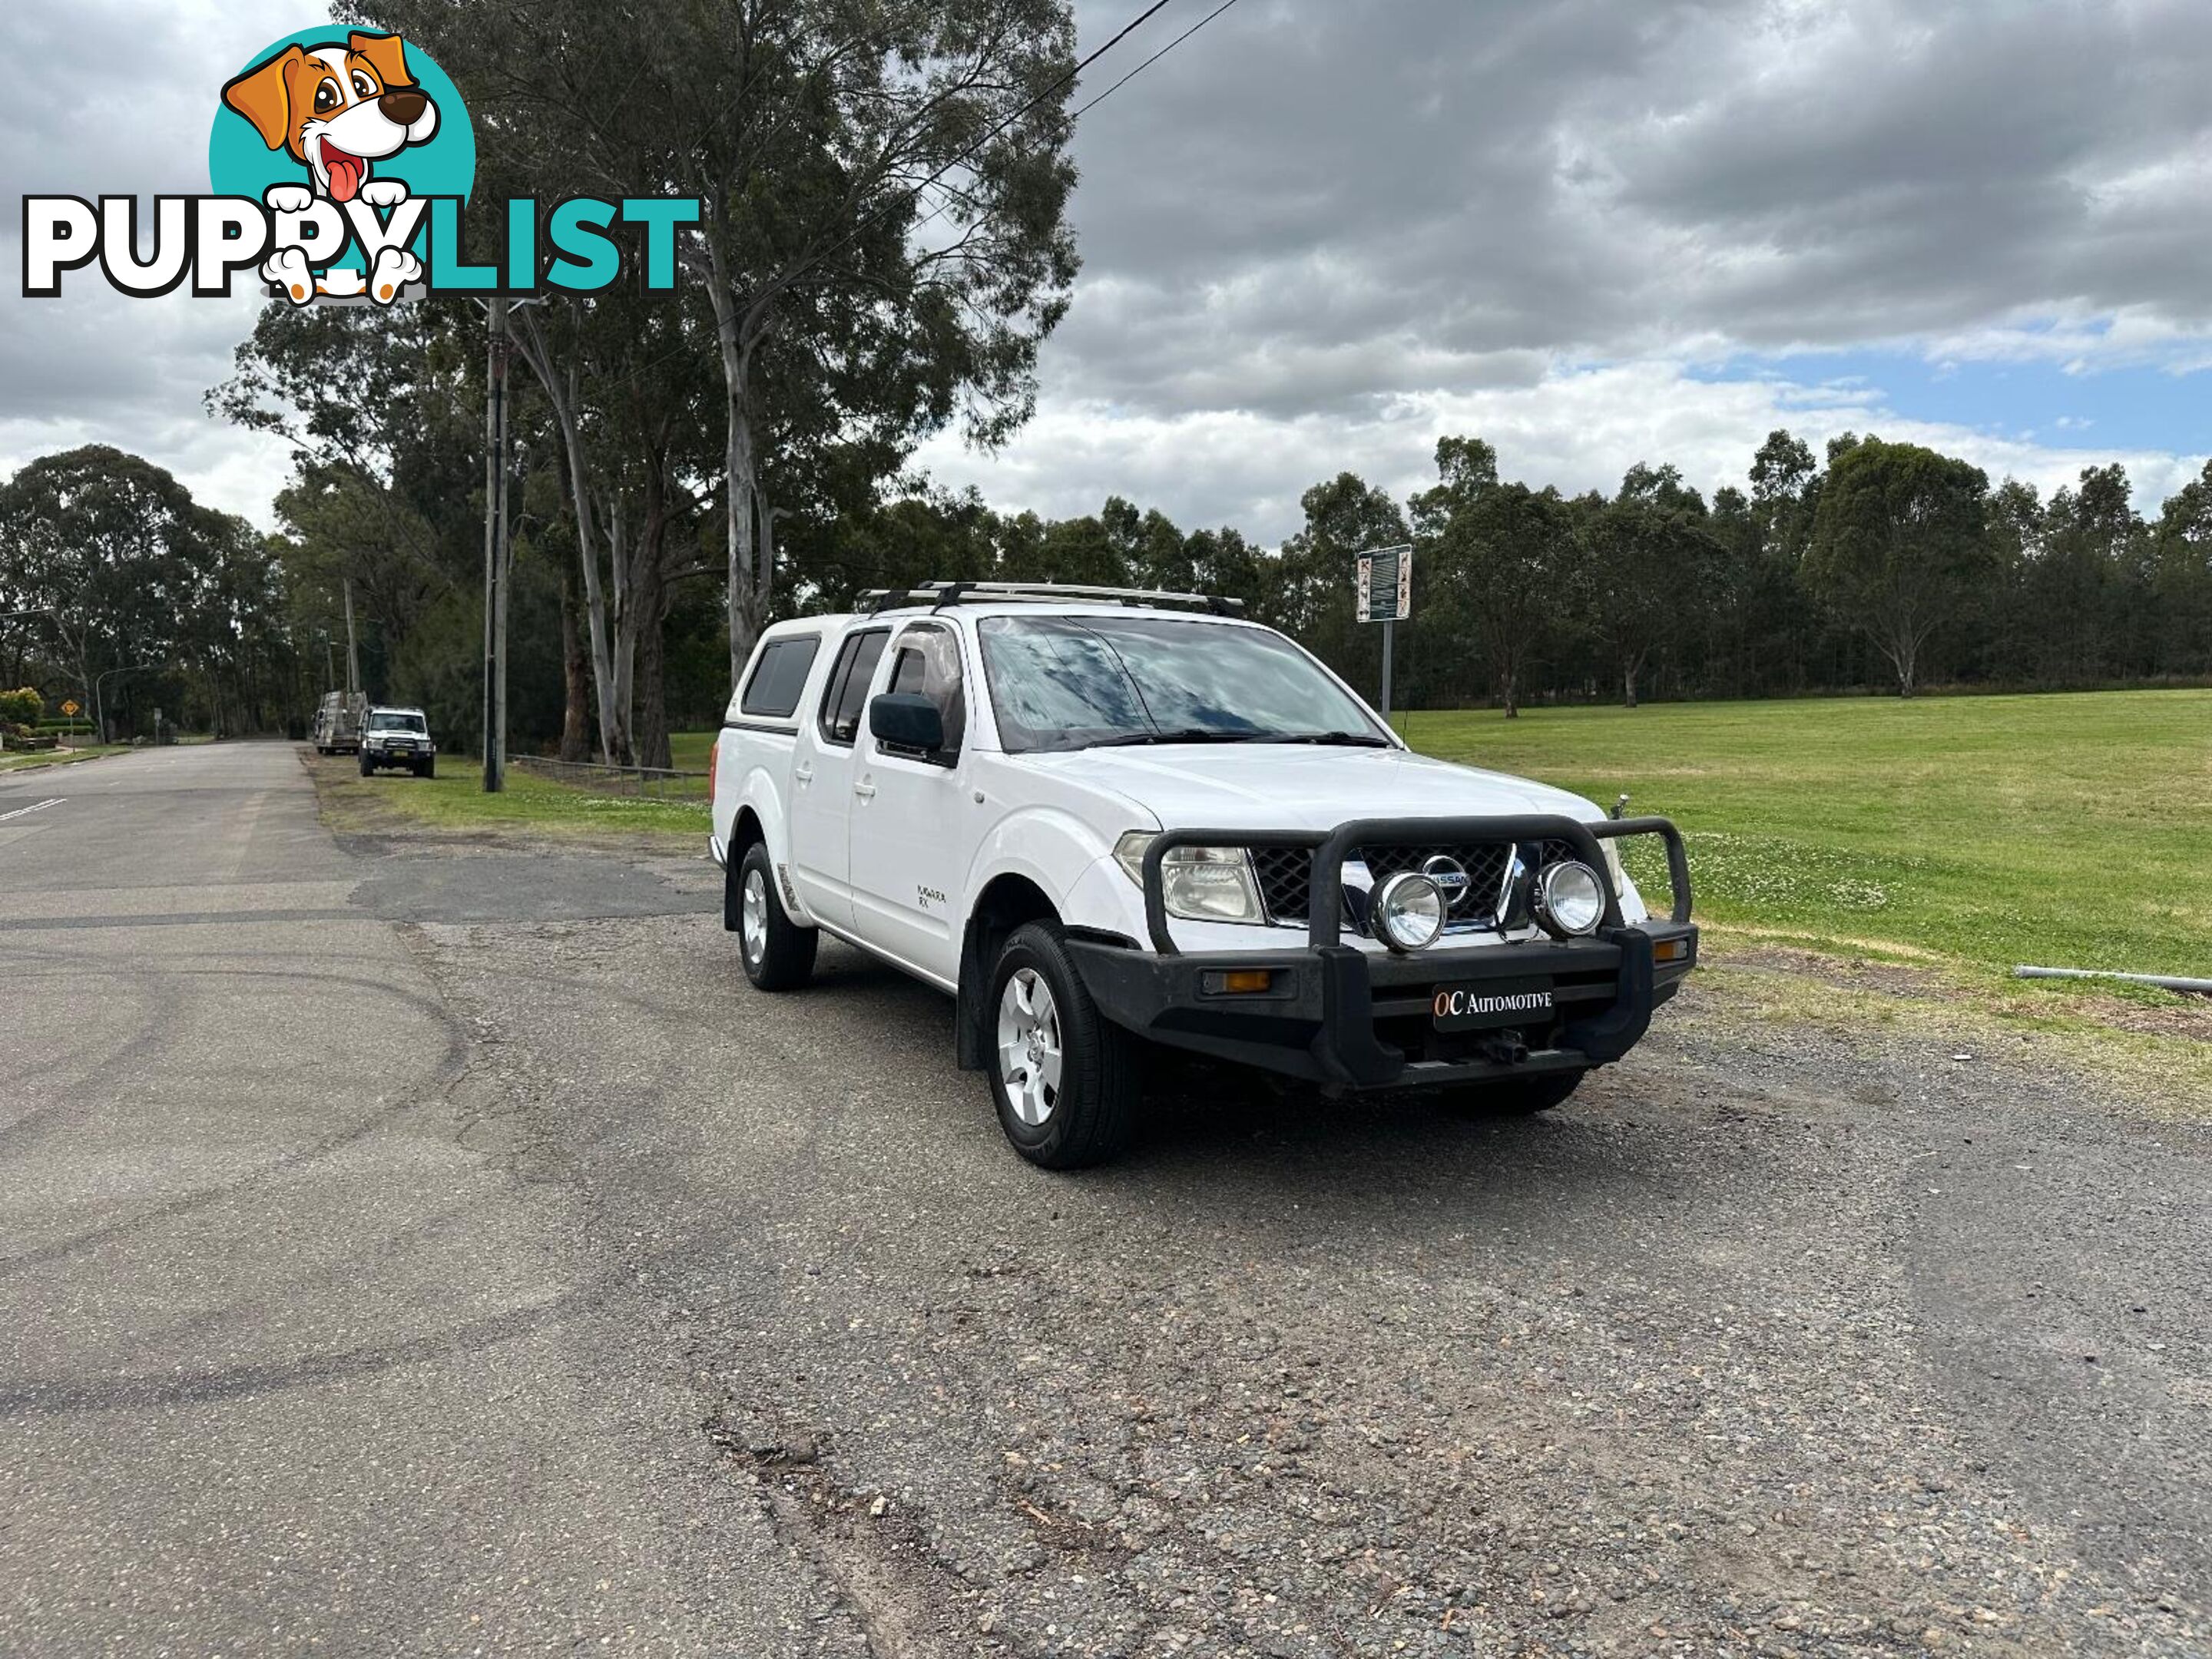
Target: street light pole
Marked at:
495, 570
98, 708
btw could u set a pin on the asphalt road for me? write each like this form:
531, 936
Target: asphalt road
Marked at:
427, 1250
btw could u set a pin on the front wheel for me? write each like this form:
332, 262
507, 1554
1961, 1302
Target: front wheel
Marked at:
366, 768
778, 953
1523, 1097
428, 768
1065, 1078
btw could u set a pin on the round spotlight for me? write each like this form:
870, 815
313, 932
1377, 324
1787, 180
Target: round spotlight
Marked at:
1570, 899
1408, 912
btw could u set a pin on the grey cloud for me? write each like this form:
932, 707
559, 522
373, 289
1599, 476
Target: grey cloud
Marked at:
116, 96
1604, 178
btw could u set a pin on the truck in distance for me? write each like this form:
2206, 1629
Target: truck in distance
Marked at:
398, 738
338, 719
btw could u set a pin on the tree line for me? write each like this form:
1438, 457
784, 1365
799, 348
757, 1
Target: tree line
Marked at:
122, 594
1884, 567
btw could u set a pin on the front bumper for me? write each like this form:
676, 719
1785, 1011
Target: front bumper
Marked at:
1352, 1019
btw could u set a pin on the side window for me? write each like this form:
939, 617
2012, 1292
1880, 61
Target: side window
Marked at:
845, 697
929, 662
779, 676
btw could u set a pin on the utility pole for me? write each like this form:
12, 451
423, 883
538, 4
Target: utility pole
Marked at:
353, 650
496, 562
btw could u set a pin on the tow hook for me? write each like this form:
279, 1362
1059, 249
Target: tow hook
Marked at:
1505, 1050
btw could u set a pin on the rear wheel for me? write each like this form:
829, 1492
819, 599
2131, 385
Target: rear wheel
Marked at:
778, 953
1515, 1096
1065, 1079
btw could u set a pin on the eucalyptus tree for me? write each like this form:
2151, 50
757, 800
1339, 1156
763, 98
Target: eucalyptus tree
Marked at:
2181, 581
1504, 556
884, 184
1647, 561
1899, 544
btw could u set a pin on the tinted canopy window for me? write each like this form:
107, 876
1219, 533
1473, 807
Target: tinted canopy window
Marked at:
779, 677
1075, 682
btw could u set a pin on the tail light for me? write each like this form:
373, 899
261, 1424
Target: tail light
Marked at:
713, 765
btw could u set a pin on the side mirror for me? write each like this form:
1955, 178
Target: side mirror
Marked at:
906, 720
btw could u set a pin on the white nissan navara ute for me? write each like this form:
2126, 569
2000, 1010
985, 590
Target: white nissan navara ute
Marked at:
1102, 820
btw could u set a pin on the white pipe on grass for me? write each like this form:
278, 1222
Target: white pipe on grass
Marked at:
2163, 982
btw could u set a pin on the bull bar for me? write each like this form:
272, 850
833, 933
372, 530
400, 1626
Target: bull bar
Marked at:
1319, 1019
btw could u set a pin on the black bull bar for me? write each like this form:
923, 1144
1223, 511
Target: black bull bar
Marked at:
1321, 1021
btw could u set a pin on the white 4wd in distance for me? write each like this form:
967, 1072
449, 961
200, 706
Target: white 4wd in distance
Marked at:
1103, 819
398, 737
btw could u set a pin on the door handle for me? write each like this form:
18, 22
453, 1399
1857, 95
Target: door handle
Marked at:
805, 775
865, 791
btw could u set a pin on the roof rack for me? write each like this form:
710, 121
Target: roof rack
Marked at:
939, 595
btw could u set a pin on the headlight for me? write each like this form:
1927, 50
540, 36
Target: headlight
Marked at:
1197, 884
1570, 899
1408, 912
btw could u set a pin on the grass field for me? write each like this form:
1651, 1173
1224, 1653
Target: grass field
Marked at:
2065, 830
455, 800
34, 760
687, 751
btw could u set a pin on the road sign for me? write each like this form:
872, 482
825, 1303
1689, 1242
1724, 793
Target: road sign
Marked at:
1386, 585
1386, 596
70, 708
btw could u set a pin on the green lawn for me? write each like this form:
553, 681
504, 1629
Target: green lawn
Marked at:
2071, 831
688, 751
455, 799
31, 760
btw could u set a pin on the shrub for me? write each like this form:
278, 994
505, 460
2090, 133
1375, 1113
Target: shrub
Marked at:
22, 706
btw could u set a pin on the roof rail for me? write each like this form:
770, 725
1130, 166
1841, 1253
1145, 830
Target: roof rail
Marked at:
939, 595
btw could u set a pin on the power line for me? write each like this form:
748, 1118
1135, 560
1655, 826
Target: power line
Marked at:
984, 143
1153, 59
938, 211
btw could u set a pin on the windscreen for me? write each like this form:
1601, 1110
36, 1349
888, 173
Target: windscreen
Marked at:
1077, 682
390, 722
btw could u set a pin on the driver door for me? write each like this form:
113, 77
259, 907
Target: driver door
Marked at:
911, 838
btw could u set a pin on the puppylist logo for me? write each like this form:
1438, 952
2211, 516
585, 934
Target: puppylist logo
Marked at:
341, 164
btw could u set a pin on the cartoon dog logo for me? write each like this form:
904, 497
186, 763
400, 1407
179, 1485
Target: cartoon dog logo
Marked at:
338, 109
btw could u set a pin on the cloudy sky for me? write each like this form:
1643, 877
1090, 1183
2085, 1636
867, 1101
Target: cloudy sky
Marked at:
1321, 233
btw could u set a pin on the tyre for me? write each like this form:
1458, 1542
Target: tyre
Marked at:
366, 768
778, 953
1515, 1098
1065, 1079
428, 768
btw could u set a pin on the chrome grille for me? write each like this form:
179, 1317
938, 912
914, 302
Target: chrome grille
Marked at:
1285, 883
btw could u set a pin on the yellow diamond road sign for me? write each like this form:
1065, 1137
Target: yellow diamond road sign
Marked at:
70, 707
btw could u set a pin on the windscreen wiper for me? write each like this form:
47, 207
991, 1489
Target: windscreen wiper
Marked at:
1192, 734
1339, 739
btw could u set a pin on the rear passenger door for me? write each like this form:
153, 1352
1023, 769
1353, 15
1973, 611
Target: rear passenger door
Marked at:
822, 778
